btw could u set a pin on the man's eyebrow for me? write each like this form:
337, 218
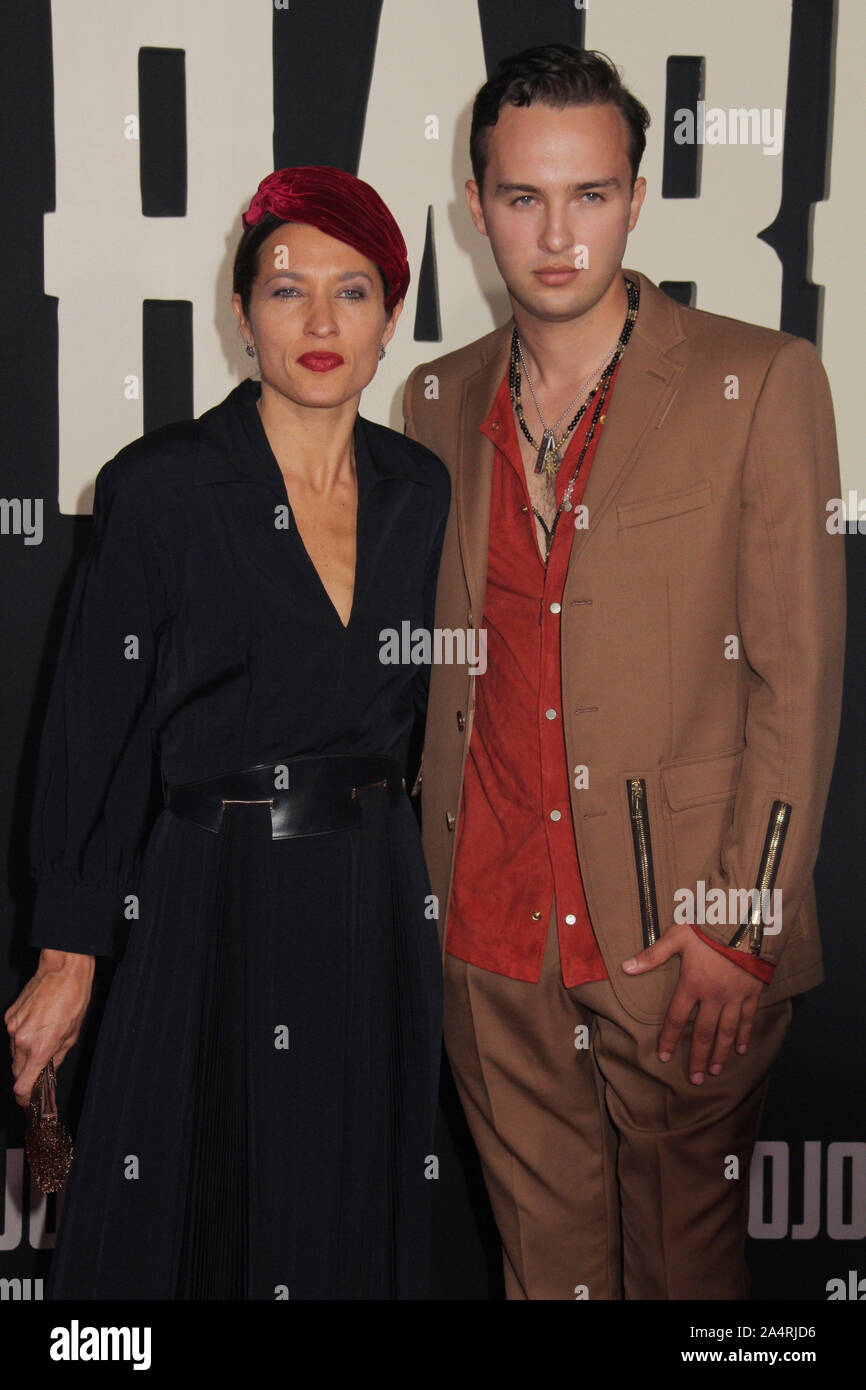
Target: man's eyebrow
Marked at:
611, 182
299, 275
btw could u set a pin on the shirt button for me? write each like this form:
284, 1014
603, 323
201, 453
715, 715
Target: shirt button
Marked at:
556, 607
550, 713
461, 720
570, 919
535, 915
450, 819
556, 815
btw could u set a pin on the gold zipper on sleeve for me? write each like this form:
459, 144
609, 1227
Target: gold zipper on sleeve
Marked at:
749, 935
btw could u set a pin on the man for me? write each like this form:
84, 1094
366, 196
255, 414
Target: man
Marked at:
622, 813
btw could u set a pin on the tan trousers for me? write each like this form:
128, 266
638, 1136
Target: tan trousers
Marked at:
606, 1168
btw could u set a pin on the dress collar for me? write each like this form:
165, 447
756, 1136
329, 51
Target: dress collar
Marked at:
245, 453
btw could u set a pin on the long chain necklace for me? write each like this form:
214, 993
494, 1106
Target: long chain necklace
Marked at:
597, 416
551, 453
549, 457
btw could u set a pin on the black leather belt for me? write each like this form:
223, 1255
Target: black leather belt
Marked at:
306, 796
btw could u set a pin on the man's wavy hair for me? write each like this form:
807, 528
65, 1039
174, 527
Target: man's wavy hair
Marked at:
556, 75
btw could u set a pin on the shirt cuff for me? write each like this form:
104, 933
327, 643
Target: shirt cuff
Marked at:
762, 968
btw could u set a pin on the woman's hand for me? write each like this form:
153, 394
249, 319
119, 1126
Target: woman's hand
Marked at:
46, 1018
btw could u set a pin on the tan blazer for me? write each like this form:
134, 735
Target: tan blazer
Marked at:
702, 632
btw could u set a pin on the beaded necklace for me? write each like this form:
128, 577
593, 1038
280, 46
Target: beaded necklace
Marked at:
549, 457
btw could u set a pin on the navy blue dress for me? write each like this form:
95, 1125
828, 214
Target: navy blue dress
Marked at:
261, 1103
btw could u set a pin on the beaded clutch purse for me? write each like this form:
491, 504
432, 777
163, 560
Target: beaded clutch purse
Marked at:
47, 1140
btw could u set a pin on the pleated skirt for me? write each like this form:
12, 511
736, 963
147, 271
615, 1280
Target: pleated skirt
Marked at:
258, 1120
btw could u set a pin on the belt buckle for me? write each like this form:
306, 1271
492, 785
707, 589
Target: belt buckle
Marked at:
383, 782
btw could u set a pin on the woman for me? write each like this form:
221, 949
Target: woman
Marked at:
261, 1100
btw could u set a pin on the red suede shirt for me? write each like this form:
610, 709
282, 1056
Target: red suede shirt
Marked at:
515, 835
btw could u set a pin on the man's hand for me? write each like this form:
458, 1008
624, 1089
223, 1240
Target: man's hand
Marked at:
726, 996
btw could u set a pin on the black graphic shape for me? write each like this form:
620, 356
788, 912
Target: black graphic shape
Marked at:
683, 291
162, 131
805, 162
323, 67
684, 88
428, 327
166, 357
509, 26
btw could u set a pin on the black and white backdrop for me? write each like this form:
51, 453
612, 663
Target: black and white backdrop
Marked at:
132, 138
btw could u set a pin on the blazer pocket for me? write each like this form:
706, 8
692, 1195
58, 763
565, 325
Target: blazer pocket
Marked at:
699, 781
687, 499
700, 797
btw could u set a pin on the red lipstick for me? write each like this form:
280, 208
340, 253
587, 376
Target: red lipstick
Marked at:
321, 361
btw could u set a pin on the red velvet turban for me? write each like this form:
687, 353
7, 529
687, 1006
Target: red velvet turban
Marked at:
341, 206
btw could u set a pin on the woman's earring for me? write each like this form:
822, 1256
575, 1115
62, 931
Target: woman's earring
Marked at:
251, 352
381, 351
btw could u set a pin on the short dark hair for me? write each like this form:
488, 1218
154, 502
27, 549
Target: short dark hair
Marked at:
246, 266
556, 75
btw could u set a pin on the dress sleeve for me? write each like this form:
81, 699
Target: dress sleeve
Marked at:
95, 769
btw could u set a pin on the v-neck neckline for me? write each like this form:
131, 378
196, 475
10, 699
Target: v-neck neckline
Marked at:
345, 626
280, 482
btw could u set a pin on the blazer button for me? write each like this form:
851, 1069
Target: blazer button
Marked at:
451, 819
461, 720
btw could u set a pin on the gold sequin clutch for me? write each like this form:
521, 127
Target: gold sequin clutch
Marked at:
47, 1140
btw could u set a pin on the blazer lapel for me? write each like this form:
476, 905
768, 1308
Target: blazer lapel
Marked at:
645, 387
646, 384
474, 473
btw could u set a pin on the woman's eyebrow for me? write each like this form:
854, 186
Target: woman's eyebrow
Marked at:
300, 275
